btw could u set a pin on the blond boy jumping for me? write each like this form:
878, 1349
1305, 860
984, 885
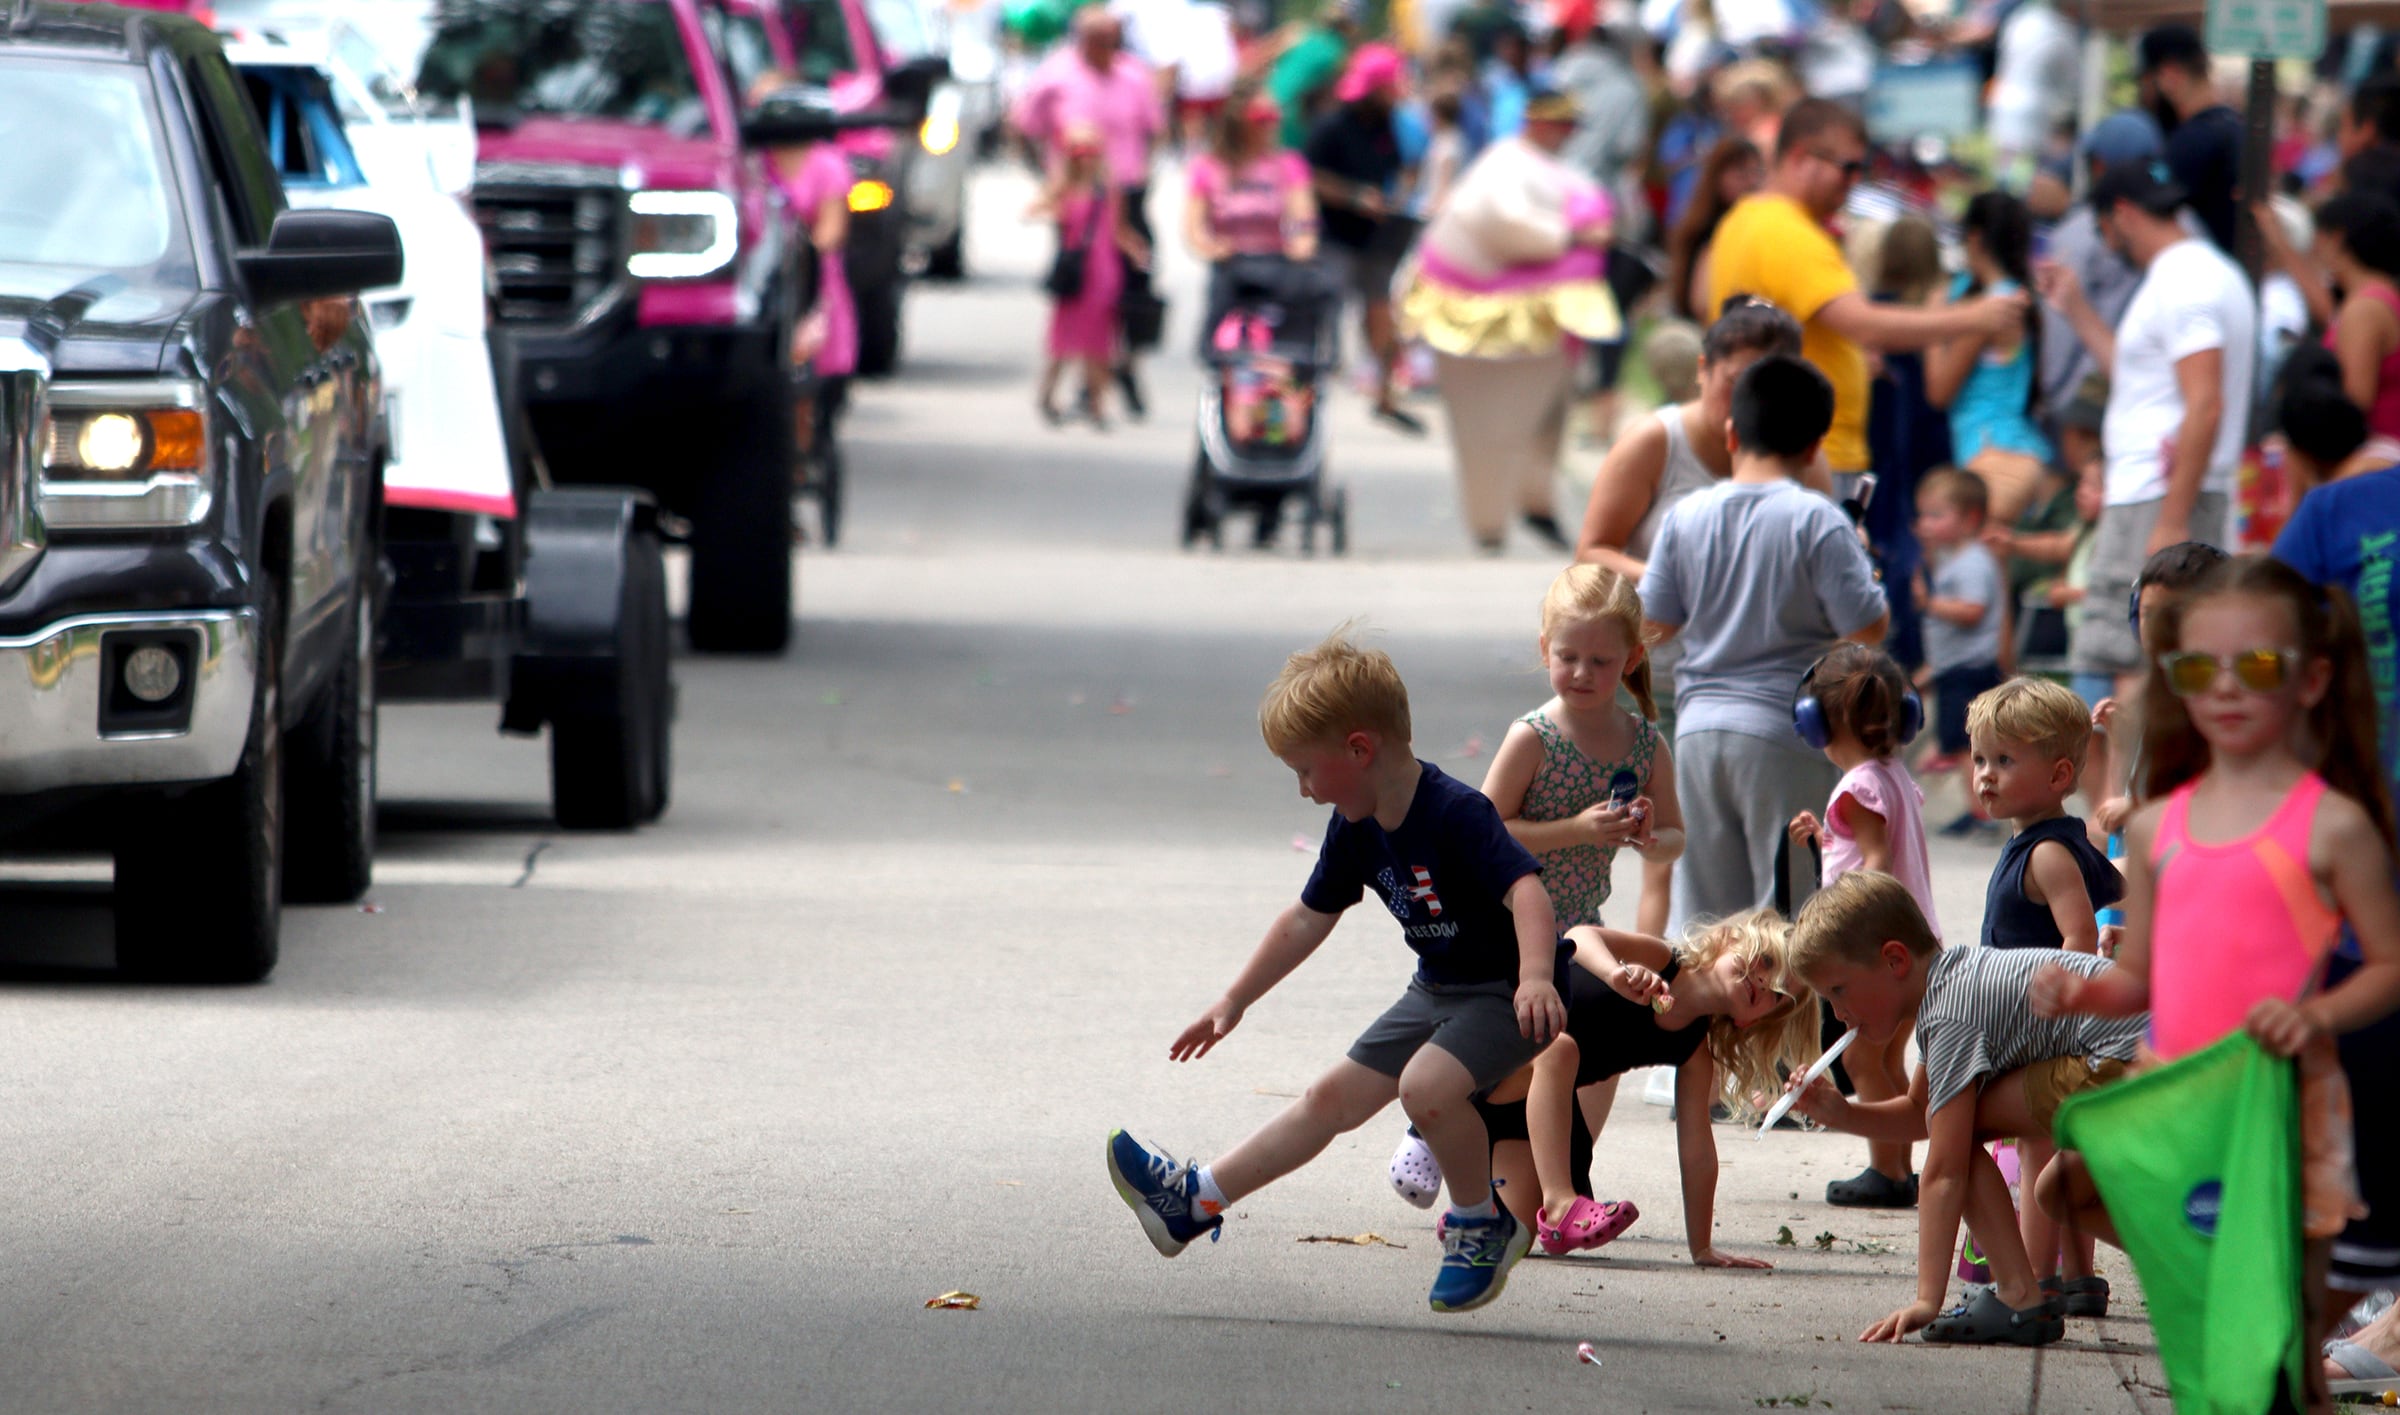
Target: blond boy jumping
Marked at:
1484, 1001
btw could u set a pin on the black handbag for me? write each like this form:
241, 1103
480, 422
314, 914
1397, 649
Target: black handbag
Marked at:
1068, 267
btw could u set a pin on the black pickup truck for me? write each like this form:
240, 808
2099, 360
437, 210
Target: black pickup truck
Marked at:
190, 438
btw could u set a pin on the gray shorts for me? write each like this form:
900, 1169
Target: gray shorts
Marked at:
1474, 1022
1364, 273
2104, 639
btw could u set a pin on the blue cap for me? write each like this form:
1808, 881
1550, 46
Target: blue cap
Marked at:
2119, 138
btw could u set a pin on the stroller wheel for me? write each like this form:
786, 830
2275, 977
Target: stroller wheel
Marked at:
1311, 514
1338, 514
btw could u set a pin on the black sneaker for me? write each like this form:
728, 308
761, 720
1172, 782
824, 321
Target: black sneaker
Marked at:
1131, 387
1546, 527
1873, 1189
1402, 419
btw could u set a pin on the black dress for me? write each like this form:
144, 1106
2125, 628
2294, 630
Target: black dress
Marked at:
1614, 1036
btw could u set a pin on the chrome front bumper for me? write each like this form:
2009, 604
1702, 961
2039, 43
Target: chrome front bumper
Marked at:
51, 693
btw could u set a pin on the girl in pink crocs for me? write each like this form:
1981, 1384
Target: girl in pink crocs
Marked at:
1576, 780
1723, 1009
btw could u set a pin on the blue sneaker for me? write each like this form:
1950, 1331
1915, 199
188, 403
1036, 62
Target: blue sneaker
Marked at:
1476, 1256
1163, 1192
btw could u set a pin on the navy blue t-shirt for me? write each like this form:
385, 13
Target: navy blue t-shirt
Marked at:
1444, 874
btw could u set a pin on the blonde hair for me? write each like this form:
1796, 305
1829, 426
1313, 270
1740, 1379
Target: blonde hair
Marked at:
1592, 594
1850, 920
1960, 491
1747, 1057
1908, 260
1331, 690
2043, 715
1672, 351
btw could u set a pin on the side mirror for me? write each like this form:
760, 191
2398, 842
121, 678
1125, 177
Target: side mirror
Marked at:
912, 82
312, 254
779, 122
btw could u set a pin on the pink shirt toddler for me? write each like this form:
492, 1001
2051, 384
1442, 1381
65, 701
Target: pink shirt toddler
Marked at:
1883, 786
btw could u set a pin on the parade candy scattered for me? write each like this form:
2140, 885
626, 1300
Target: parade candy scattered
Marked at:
955, 1302
1587, 1354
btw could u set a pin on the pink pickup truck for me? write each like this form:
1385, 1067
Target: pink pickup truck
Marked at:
648, 272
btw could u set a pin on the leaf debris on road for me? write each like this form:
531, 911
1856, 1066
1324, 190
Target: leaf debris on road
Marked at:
1355, 1240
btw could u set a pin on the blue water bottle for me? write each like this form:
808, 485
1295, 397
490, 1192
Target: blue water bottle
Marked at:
2112, 915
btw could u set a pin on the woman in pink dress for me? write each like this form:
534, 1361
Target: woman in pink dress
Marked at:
816, 183
1084, 206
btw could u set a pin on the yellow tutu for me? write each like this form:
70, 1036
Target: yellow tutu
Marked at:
1509, 323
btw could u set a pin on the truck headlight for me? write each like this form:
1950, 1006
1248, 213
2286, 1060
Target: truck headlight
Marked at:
131, 454
939, 133
681, 235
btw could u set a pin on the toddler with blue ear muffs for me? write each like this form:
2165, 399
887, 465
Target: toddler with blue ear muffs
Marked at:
1856, 706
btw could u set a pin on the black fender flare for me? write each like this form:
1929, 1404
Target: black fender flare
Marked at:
576, 548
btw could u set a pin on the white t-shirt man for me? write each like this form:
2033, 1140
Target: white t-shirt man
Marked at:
2191, 299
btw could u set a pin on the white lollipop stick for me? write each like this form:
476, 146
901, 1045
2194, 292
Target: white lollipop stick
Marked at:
1808, 1078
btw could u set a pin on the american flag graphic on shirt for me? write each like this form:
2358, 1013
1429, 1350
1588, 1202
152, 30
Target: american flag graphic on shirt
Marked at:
1423, 890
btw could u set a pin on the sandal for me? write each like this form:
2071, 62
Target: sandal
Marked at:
1985, 1320
1588, 1224
1873, 1189
2365, 1373
2078, 1296
1416, 1174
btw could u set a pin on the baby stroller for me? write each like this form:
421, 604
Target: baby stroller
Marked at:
1269, 352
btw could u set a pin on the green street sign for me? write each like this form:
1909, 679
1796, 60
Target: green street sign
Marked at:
2267, 29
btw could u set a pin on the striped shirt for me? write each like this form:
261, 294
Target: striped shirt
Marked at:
1975, 1021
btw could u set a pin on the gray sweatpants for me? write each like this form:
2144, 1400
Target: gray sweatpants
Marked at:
1739, 794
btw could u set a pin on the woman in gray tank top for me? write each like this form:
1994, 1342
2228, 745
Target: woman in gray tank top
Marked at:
1666, 457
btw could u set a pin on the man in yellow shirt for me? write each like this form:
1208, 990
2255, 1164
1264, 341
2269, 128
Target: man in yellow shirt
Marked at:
1774, 246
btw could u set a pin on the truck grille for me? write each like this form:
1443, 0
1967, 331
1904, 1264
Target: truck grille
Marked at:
556, 245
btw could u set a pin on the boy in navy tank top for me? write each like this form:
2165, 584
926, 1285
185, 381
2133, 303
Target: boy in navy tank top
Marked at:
2028, 737
1484, 1002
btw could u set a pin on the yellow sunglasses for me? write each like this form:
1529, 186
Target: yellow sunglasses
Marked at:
2190, 673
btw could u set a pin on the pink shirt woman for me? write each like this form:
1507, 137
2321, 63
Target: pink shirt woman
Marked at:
817, 184
1248, 209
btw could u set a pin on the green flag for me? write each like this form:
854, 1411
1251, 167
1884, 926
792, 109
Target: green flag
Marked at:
2199, 1164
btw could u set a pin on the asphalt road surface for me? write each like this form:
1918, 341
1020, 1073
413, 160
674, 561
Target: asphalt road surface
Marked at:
697, 1118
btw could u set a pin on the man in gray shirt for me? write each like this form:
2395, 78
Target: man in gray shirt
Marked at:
1760, 576
1612, 119
2108, 278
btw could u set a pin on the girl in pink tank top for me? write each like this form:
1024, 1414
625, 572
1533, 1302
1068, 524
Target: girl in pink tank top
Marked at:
2268, 828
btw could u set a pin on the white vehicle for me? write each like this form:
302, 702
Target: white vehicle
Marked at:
961, 114
345, 132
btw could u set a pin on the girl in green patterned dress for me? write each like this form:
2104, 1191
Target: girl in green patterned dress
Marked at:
1576, 780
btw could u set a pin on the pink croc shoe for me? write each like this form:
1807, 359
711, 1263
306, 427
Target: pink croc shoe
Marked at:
1587, 1224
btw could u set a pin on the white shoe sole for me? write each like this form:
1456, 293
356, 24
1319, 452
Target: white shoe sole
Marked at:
1152, 1224
1517, 1248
